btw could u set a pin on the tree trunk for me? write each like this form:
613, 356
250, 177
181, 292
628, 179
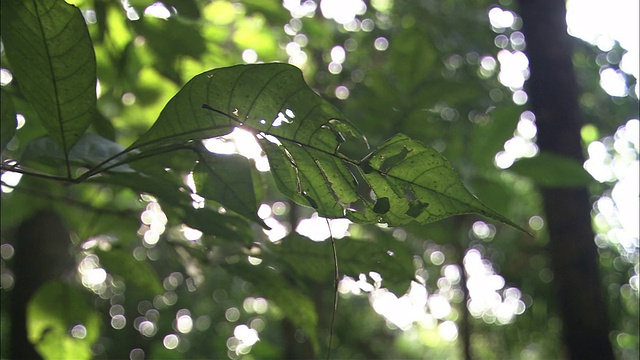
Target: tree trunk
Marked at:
553, 95
42, 254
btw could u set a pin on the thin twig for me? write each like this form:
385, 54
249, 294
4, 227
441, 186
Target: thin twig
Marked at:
336, 281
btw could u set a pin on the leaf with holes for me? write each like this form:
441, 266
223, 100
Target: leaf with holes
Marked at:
412, 181
301, 134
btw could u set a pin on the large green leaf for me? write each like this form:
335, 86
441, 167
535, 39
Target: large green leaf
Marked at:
301, 133
60, 322
51, 56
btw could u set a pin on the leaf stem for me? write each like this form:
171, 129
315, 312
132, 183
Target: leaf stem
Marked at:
17, 169
336, 281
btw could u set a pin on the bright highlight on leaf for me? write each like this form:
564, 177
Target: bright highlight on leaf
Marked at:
301, 133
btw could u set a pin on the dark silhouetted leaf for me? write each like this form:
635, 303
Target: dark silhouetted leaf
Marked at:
314, 260
89, 150
228, 179
57, 69
7, 120
212, 223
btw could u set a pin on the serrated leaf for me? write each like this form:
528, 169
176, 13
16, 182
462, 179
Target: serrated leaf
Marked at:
551, 170
51, 56
228, 180
54, 310
7, 119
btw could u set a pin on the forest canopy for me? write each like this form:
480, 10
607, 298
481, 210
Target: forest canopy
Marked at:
205, 179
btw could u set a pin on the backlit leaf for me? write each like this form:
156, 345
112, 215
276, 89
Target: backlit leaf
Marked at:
301, 133
228, 179
52, 315
57, 68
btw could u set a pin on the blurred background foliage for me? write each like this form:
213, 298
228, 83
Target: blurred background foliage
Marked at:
449, 73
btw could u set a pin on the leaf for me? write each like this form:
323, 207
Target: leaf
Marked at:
51, 56
8, 119
52, 314
420, 186
212, 223
294, 304
551, 170
301, 133
314, 260
255, 95
137, 274
228, 179
89, 150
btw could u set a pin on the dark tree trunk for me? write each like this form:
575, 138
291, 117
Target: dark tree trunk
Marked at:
553, 95
42, 254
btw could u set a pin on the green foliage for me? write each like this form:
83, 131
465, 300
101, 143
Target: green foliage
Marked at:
229, 180
138, 274
60, 322
553, 171
313, 260
48, 45
7, 119
138, 154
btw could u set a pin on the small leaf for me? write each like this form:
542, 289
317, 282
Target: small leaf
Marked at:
90, 150
53, 313
212, 223
138, 274
51, 56
416, 208
228, 180
8, 119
